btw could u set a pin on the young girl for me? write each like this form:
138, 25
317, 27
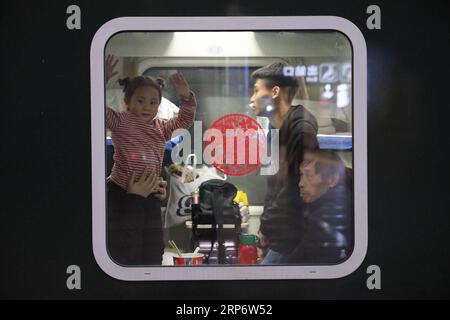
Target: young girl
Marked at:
138, 137
135, 234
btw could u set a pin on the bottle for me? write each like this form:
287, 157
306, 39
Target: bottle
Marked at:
245, 208
242, 200
247, 249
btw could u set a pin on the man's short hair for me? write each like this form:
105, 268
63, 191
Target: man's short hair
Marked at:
326, 163
274, 75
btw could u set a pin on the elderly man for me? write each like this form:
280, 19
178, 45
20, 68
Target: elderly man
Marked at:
327, 224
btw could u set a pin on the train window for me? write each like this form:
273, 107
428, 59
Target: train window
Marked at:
165, 108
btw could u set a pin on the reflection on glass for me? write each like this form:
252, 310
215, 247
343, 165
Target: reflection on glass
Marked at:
302, 214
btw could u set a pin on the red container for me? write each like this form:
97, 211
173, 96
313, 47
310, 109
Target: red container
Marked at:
188, 259
247, 249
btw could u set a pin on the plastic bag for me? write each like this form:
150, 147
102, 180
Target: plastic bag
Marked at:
181, 187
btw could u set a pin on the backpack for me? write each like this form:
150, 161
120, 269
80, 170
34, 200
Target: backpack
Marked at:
216, 209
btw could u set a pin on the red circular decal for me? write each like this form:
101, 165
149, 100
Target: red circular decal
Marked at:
236, 151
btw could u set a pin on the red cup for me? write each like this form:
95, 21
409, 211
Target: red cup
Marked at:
188, 259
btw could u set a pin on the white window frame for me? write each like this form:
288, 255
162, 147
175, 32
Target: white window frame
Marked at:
220, 272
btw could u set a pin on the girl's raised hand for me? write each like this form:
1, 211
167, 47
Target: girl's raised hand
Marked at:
181, 85
110, 65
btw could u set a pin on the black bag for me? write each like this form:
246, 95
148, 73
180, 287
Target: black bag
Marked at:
216, 209
217, 194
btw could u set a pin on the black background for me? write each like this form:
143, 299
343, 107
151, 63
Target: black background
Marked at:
46, 160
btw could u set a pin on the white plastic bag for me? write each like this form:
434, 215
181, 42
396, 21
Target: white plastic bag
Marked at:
179, 202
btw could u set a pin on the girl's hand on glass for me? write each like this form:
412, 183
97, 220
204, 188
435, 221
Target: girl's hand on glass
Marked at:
110, 65
181, 85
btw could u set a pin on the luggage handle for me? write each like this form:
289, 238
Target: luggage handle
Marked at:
218, 215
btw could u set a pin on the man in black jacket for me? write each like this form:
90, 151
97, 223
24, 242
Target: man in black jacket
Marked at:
273, 93
327, 231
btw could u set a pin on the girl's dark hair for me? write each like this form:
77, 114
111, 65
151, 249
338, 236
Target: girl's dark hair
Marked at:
130, 85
